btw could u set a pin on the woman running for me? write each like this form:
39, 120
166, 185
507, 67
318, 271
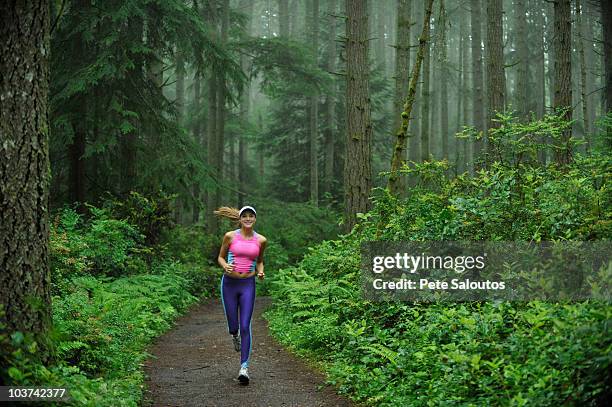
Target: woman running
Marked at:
241, 257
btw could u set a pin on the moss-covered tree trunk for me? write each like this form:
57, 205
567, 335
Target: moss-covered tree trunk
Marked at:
358, 157
402, 62
24, 167
396, 160
563, 73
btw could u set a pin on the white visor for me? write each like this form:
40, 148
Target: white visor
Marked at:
244, 208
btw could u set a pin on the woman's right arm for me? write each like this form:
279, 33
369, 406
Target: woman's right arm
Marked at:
227, 240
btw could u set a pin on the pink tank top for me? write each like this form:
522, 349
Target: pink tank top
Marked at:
243, 252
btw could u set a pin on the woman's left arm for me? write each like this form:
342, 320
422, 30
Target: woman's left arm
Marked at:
260, 264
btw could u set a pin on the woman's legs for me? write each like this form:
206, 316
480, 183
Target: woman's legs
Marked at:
247, 303
239, 294
229, 298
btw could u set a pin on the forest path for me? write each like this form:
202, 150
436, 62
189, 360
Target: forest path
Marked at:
195, 364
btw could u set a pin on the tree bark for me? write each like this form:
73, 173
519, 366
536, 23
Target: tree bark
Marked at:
221, 109
380, 37
396, 160
358, 157
330, 100
425, 148
414, 150
583, 73
443, 82
211, 133
606, 22
563, 73
283, 18
522, 80
402, 62
540, 85
245, 106
314, 108
495, 61
24, 169
477, 75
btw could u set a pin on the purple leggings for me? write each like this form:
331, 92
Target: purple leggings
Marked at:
239, 293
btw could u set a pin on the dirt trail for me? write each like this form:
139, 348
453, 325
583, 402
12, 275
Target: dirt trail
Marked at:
195, 365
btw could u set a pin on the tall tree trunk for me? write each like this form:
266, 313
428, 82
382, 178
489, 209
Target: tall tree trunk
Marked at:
294, 29
496, 78
283, 18
550, 40
245, 105
127, 143
606, 22
212, 131
589, 53
583, 73
397, 158
380, 37
563, 72
221, 109
358, 157
460, 89
25, 280
425, 94
314, 108
414, 150
540, 76
477, 75
522, 80
180, 86
76, 149
197, 136
402, 62
331, 100
180, 105
443, 82
540, 85
200, 196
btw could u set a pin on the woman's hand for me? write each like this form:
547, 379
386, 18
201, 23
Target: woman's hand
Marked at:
261, 275
228, 268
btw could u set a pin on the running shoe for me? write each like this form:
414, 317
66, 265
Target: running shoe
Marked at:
243, 375
236, 340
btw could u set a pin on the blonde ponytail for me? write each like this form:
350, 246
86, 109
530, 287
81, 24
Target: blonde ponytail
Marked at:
227, 212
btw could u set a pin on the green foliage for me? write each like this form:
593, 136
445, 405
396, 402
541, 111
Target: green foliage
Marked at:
102, 87
479, 353
293, 227
150, 214
101, 325
97, 245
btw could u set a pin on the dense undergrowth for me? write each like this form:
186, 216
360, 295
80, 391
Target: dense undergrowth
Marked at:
116, 284
470, 353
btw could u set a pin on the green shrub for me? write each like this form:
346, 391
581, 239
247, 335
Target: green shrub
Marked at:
478, 353
151, 215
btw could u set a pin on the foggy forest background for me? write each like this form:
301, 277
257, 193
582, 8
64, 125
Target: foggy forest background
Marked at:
218, 102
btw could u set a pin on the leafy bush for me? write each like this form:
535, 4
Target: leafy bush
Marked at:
97, 245
151, 215
479, 353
